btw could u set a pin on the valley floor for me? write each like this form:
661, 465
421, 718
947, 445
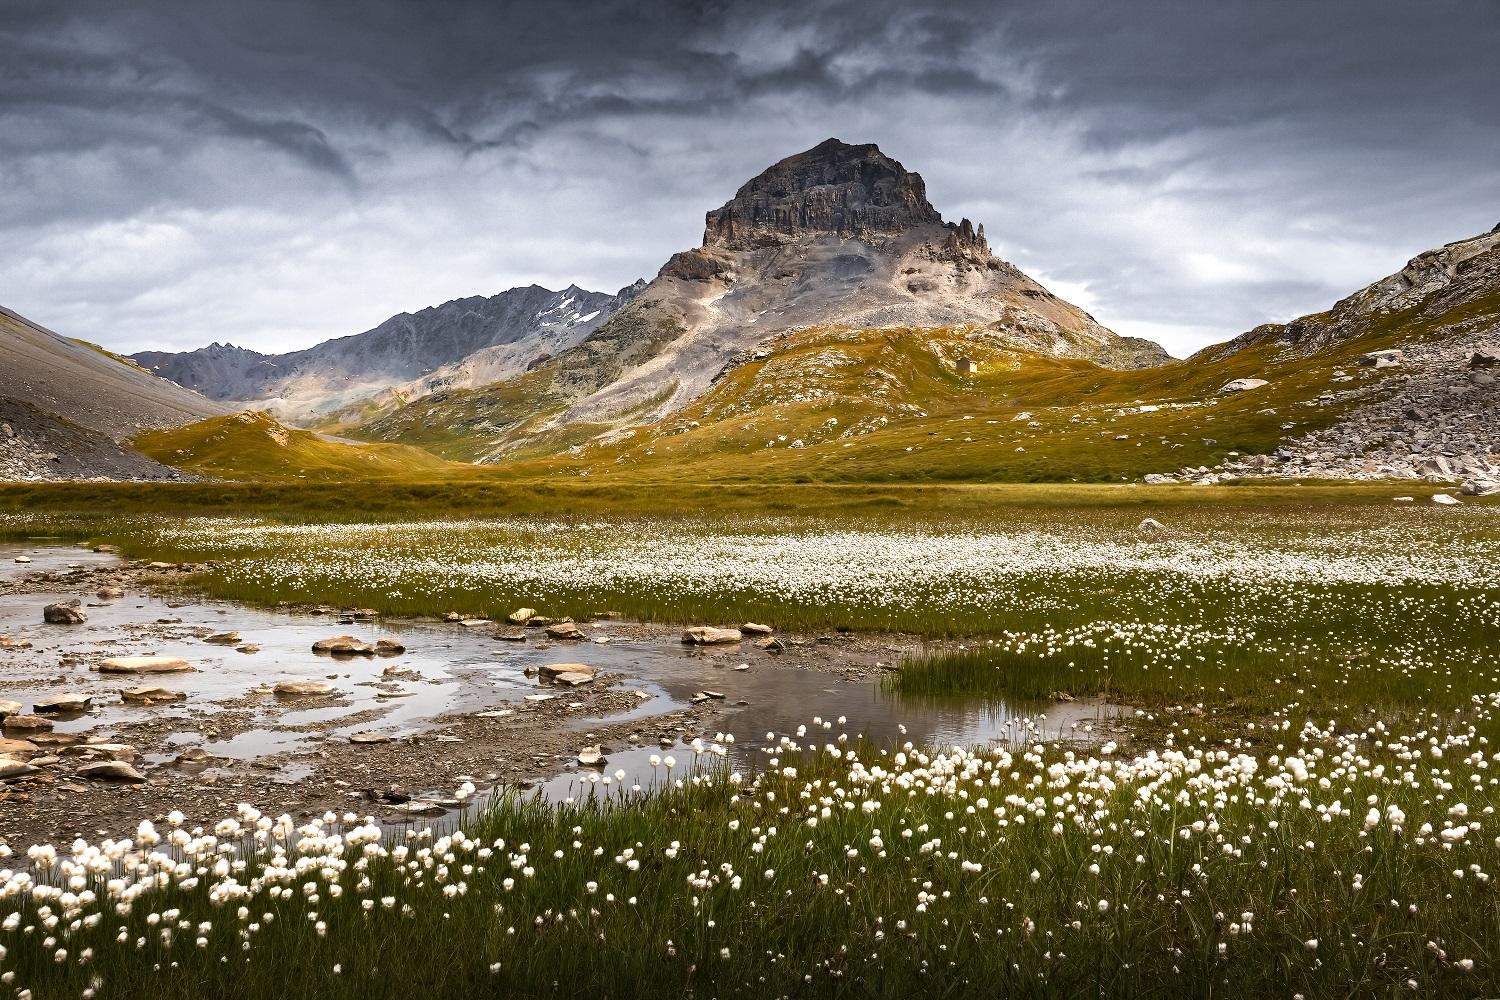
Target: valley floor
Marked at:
1053, 740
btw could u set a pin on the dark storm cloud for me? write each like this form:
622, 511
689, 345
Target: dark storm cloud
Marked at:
176, 172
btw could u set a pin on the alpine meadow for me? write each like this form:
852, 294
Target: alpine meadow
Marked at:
1072, 570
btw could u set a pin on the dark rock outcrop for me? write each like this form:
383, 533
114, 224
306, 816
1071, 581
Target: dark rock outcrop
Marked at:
834, 188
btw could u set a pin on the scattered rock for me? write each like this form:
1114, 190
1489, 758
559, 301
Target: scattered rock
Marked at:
367, 738
64, 613
299, 689
343, 645
1151, 526
9, 708
389, 647
1242, 385
1444, 499
248, 647
16, 748
224, 639
511, 635
772, 645
192, 755
6, 642
111, 770
556, 671
111, 593
752, 628
474, 622
1388, 358
144, 665
151, 694
592, 756
521, 616
61, 704
564, 630
23, 559
705, 635
1480, 488
1485, 357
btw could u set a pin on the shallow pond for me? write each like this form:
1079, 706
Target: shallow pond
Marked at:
448, 670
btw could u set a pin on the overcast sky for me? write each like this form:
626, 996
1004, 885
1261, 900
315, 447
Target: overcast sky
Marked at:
276, 173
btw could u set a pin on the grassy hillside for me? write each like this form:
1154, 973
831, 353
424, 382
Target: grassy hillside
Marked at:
253, 446
892, 405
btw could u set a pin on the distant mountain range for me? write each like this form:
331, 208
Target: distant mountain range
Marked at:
828, 306
458, 344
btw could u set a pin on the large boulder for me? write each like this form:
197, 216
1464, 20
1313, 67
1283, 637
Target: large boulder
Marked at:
1480, 488
343, 645
1242, 385
65, 613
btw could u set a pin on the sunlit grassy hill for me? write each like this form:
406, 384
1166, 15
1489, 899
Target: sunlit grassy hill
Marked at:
834, 404
253, 445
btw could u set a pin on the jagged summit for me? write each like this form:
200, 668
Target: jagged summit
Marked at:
851, 191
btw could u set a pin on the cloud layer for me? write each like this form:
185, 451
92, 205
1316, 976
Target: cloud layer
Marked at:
174, 173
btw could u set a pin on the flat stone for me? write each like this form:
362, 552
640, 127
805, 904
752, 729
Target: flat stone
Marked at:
152, 694
705, 635
224, 639
550, 671
62, 703
12, 769
111, 770
367, 738
248, 647
26, 724
23, 559
301, 689
564, 630
752, 628
6, 642
144, 665
475, 622
16, 748
511, 635
573, 679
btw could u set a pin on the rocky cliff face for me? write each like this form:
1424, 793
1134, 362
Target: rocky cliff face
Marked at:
832, 189
517, 326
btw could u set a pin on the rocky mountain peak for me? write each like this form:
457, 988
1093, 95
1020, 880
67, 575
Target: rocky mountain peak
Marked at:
836, 189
